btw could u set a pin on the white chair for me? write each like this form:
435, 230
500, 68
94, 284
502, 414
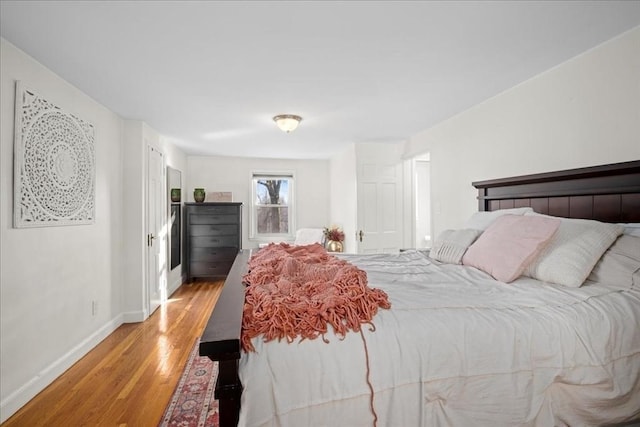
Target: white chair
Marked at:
307, 236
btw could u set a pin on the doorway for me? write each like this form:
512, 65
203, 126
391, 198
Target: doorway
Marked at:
379, 194
422, 201
156, 258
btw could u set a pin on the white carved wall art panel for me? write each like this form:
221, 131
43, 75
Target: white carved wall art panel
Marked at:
54, 164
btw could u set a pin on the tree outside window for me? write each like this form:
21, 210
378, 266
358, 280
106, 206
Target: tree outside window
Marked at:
272, 205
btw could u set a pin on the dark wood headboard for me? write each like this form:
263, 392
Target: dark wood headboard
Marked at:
608, 193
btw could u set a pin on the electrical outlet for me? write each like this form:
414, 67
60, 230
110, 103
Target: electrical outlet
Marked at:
94, 307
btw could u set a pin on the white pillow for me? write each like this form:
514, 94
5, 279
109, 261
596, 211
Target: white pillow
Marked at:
451, 245
573, 251
482, 220
308, 236
619, 263
632, 228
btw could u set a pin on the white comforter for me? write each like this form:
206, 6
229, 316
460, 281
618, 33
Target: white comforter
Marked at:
458, 348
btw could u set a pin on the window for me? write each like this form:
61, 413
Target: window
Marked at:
272, 207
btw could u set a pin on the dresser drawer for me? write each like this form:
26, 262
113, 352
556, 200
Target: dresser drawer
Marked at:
213, 241
213, 254
213, 210
207, 268
201, 218
214, 230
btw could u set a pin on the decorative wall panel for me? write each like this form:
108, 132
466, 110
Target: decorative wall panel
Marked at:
54, 164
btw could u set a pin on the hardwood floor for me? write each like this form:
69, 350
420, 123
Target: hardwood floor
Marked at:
128, 379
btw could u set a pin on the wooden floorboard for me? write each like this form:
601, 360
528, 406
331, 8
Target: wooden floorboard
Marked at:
128, 379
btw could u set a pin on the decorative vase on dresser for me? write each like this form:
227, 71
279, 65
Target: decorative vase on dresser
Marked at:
199, 195
213, 237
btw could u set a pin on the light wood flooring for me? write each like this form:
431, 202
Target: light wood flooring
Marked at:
129, 378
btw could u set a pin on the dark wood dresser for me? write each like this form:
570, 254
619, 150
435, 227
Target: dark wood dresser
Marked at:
213, 237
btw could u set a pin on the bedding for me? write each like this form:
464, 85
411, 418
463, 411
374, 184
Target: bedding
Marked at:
573, 251
510, 244
458, 348
620, 264
632, 229
451, 245
483, 219
300, 291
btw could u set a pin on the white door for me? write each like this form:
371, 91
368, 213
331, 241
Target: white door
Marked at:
156, 233
379, 204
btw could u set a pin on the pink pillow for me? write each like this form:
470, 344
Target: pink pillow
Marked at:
510, 244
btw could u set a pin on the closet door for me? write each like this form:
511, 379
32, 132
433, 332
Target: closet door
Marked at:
156, 236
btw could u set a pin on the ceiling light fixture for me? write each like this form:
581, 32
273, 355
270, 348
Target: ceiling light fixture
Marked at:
287, 122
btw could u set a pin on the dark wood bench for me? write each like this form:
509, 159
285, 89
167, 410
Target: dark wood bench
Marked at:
220, 341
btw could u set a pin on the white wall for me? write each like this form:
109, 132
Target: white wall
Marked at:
583, 112
137, 138
50, 275
215, 173
343, 195
134, 274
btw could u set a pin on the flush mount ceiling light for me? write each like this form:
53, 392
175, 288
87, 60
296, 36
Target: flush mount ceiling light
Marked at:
287, 122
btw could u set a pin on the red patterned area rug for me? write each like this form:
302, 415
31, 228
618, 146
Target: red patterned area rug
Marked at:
193, 403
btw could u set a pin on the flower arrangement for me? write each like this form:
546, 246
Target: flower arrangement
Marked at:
333, 233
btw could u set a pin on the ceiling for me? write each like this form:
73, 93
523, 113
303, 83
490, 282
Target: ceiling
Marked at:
210, 75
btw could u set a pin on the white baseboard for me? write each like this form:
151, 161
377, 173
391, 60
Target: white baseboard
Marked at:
134, 316
35, 385
174, 286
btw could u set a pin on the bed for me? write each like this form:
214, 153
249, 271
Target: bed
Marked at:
460, 348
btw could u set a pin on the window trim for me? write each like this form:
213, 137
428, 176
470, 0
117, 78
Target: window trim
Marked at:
273, 237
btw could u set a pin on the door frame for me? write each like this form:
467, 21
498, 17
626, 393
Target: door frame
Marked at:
416, 240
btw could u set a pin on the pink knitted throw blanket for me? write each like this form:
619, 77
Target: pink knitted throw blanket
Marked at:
299, 290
